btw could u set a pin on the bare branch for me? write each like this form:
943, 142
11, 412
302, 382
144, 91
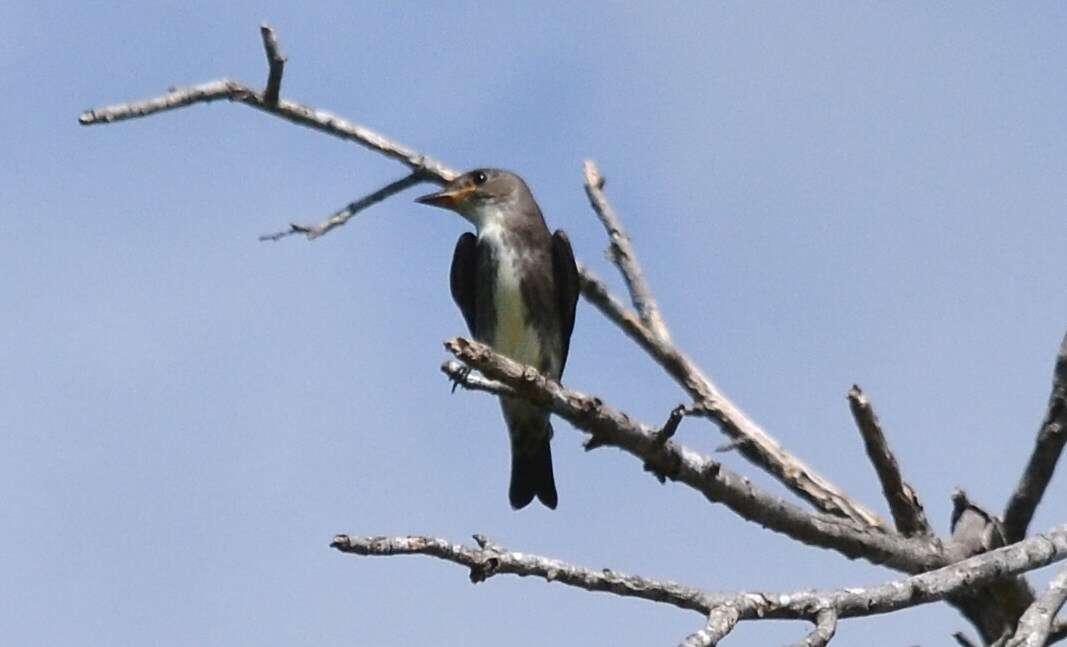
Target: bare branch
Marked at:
1035, 625
611, 427
825, 628
623, 255
491, 560
721, 621
753, 443
1047, 449
962, 640
817, 605
173, 99
321, 120
276, 61
342, 216
904, 504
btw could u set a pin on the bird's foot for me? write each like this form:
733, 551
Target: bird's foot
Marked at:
460, 377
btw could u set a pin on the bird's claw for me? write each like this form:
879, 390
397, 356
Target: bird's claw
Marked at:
460, 377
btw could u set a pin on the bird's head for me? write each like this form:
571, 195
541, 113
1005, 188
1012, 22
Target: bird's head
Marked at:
481, 194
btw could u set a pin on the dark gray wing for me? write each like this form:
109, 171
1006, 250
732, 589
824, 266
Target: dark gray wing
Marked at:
464, 277
565, 271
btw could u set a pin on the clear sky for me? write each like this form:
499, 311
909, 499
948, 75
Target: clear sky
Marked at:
820, 196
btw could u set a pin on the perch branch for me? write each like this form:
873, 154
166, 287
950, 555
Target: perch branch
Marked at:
611, 427
1047, 449
623, 255
903, 502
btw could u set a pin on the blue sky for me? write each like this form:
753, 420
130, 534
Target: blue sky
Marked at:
820, 195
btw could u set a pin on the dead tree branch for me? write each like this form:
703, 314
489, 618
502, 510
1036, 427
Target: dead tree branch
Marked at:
752, 442
622, 254
904, 504
610, 427
297, 113
489, 560
823, 607
1047, 449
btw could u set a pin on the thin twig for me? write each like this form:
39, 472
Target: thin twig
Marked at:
903, 502
1047, 449
276, 61
721, 621
343, 215
623, 255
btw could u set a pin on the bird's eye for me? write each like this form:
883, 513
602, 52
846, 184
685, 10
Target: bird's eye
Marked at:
479, 178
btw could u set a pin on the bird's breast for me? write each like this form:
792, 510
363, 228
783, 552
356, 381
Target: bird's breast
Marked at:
512, 333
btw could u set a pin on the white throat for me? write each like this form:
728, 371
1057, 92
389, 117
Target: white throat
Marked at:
488, 219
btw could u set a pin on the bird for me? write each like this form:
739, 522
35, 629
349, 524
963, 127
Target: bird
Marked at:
516, 285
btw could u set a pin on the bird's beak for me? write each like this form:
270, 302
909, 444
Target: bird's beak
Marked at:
449, 198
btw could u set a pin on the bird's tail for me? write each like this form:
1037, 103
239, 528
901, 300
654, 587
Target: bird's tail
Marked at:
531, 475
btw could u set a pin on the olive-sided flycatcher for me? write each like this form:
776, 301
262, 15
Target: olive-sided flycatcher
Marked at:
517, 286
